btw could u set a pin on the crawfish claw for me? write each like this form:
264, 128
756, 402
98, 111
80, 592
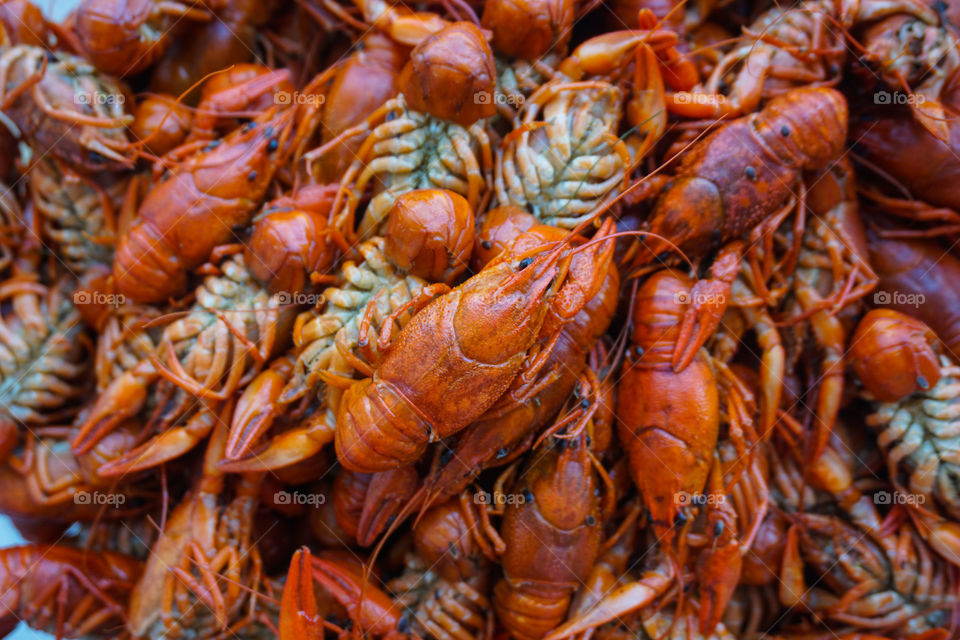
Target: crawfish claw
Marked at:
122, 400
708, 302
617, 603
299, 618
255, 412
166, 446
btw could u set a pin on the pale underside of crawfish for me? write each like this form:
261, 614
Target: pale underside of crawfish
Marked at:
568, 160
792, 45
519, 78
40, 355
235, 298
77, 214
205, 355
123, 344
414, 150
372, 289
438, 608
204, 540
898, 585
921, 437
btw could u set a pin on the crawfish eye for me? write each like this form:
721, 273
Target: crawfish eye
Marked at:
525, 263
273, 144
590, 521
718, 529
486, 244
502, 453
527, 495
922, 382
445, 456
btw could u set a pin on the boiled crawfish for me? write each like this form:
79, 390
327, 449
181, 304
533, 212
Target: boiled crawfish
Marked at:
63, 107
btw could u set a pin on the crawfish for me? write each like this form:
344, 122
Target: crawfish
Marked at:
326, 344
720, 191
53, 476
530, 29
65, 591
912, 50
124, 37
204, 573
670, 420
201, 48
508, 429
894, 355
214, 349
386, 420
77, 214
371, 610
552, 538
429, 136
919, 270
912, 155
832, 274
564, 166
42, 354
918, 435
429, 233
197, 207
432, 235
63, 107
292, 241
872, 581
782, 49
245, 87
446, 579
368, 78
24, 23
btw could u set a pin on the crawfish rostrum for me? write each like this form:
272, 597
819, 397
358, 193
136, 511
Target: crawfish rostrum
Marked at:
478, 319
